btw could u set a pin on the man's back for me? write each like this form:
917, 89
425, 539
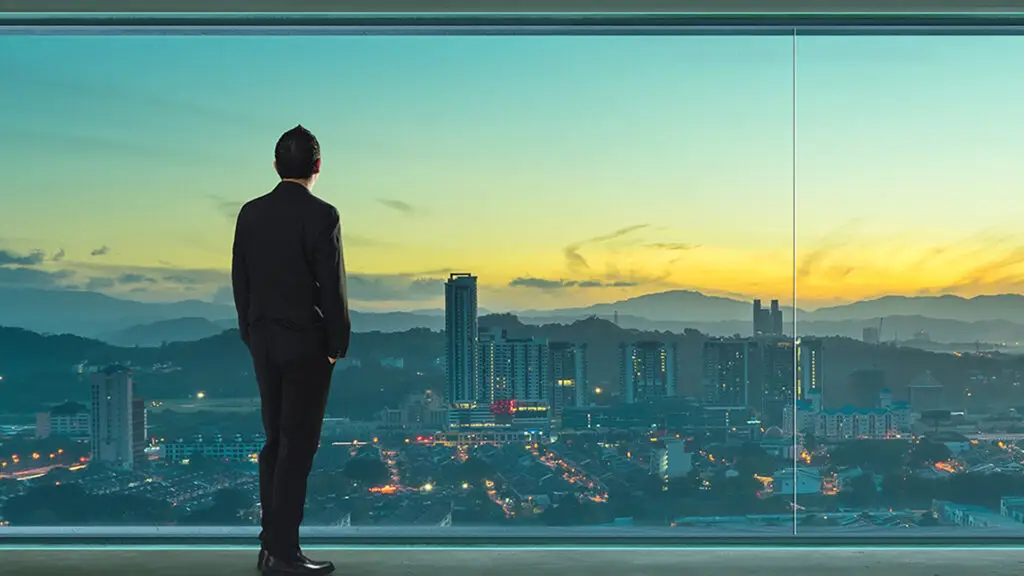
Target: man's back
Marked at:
287, 266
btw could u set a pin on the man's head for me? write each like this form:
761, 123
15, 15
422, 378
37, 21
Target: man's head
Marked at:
297, 156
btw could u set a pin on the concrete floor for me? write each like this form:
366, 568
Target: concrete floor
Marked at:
592, 562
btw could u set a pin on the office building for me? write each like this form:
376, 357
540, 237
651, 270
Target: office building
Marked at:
461, 333
647, 371
114, 432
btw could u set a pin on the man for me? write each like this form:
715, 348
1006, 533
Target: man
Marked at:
288, 276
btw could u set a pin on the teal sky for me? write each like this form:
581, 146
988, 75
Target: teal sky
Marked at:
635, 164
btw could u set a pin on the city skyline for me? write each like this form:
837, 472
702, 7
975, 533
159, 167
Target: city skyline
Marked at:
526, 148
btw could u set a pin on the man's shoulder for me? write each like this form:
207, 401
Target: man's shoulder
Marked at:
253, 205
322, 208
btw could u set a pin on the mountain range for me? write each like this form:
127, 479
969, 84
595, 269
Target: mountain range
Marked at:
998, 318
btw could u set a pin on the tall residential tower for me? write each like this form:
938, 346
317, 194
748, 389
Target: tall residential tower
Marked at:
461, 338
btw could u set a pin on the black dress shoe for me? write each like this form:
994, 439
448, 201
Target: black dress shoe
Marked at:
300, 564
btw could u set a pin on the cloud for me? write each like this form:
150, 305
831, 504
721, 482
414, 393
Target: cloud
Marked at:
993, 273
32, 277
134, 278
826, 247
399, 206
228, 209
546, 284
575, 261
101, 251
33, 258
58, 256
673, 246
100, 283
183, 279
360, 241
395, 287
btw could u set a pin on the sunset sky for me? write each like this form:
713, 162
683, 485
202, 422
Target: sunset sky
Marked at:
629, 164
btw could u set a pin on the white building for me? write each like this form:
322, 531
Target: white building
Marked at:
113, 435
671, 460
889, 419
69, 419
512, 368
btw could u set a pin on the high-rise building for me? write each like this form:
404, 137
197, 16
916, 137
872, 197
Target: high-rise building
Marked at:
731, 374
778, 378
647, 371
810, 375
113, 437
568, 366
461, 334
512, 368
768, 322
140, 424
870, 335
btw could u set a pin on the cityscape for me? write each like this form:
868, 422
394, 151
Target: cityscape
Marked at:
701, 285
504, 427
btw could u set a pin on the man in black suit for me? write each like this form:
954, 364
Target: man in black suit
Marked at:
288, 276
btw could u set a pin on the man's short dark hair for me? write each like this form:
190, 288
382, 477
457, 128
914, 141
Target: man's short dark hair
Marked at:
296, 154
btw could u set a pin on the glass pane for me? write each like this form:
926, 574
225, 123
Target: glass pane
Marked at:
908, 282
553, 245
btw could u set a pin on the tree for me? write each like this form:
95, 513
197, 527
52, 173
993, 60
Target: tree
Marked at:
926, 453
367, 471
860, 491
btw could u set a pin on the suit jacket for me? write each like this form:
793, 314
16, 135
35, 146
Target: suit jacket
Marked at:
287, 266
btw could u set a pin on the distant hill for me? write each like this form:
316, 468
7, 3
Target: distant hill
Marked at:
163, 331
93, 314
1004, 307
40, 370
672, 306
946, 318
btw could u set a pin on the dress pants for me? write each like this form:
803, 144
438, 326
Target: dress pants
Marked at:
294, 377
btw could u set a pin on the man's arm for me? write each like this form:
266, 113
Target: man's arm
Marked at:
329, 271
240, 281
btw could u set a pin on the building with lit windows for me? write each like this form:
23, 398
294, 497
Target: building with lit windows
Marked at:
234, 449
567, 364
777, 378
731, 373
671, 460
647, 371
810, 375
512, 368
